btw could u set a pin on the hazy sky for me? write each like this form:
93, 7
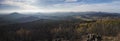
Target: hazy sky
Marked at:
59, 5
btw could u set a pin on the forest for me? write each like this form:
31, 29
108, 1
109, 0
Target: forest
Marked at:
73, 29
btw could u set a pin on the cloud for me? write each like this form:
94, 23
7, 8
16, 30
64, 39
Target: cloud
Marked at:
77, 7
63, 5
71, 0
20, 4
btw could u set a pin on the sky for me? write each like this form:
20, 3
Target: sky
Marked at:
59, 5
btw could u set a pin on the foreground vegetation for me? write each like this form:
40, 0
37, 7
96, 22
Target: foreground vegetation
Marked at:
63, 30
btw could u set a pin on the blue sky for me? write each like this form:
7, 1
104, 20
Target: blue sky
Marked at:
59, 5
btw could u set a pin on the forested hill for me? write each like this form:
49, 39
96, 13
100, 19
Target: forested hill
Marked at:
65, 28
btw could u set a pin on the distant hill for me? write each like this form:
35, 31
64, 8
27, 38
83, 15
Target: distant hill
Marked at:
26, 19
104, 14
13, 16
16, 17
